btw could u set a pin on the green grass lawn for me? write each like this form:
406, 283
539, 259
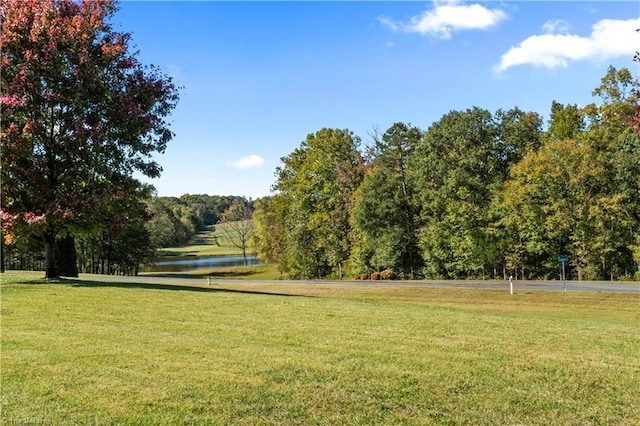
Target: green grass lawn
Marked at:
250, 354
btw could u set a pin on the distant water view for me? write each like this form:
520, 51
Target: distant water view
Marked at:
196, 263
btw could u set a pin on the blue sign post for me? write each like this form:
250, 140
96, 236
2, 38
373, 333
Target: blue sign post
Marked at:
563, 260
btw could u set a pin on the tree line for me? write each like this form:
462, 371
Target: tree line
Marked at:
128, 239
476, 195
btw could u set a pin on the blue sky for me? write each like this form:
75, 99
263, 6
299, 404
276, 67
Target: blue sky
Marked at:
258, 77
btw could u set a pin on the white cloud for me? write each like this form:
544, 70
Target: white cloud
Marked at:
448, 17
554, 26
609, 38
389, 23
247, 162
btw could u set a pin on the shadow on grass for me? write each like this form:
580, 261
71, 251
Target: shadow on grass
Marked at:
38, 281
170, 287
203, 275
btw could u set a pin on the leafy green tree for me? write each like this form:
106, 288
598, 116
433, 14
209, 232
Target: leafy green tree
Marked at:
22, 252
80, 114
207, 209
315, 185
464, 160
455, 168
557, 204
611, 133
635, 123
119, 243
269, 238
578, 194
566, 122
132, 248
164, 228
518, 134
384, 215
174, 220
624, 181
613, 116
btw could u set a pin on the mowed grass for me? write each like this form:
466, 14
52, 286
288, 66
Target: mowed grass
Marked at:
255, 354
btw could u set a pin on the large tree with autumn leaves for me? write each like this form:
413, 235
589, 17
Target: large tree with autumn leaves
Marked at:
80, 114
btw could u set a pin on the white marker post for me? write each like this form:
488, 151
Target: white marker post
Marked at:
511, 284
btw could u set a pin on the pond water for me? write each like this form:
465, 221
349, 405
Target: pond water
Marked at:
186, 264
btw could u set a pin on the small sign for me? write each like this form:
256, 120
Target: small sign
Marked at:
562, 259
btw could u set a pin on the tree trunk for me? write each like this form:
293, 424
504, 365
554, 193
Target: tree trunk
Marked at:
66, 256
51, 271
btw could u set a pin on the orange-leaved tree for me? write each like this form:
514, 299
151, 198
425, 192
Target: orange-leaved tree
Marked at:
79, 113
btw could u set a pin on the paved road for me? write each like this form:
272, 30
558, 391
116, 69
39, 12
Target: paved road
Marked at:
596, 286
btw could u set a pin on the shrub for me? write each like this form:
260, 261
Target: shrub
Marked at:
388, 274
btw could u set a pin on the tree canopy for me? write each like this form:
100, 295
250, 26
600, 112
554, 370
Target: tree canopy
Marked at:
384, 214
478, 194
315, 187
